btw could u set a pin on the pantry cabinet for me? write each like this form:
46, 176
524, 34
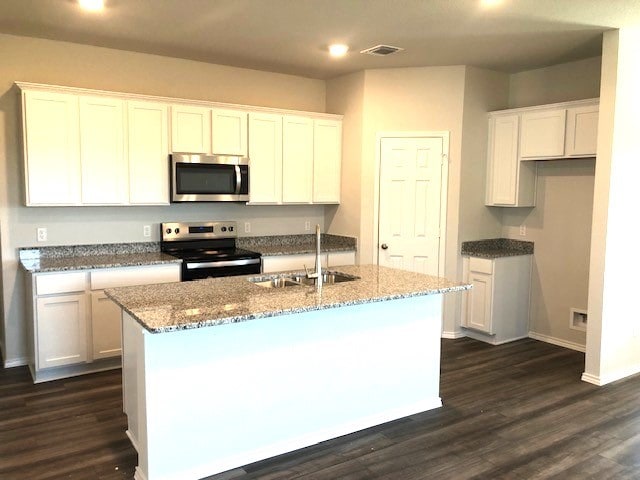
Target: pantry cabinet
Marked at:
496, 309
74, 327
519, 137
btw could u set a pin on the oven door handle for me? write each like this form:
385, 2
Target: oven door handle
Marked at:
238, 180
222, 263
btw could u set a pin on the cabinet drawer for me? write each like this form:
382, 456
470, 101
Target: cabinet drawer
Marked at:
481, 265
126, 277
60, 283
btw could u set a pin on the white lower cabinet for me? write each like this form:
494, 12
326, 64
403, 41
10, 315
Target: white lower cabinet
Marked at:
496, 309
75, 328
106, 327
280, 263
61, 330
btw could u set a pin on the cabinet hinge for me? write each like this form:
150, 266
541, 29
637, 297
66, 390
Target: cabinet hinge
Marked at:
444, 159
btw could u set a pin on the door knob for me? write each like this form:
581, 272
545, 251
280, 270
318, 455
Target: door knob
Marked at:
384, 246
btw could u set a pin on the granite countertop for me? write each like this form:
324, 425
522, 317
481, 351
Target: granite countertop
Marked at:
296, 244
85, 257
217, 301
496, 248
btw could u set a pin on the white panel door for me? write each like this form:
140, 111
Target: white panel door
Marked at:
190, 129
229, 132
265, 157
327, 160
62, 330
148, 152
409, 215
582, 131
542, 134
106, 326
104, 165
297, 159
52, 148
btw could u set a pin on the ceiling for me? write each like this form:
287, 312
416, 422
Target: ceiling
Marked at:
291, 36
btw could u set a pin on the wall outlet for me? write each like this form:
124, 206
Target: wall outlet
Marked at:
523, 230
307, 225
146, 231
42, 234
247, 227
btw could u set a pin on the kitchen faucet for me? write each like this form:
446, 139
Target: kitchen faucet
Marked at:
318, 273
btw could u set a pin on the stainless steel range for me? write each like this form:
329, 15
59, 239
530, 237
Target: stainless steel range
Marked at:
208, 249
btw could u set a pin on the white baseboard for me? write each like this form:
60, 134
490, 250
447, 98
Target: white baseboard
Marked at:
557, 341
601, 380
16, 362
453, 335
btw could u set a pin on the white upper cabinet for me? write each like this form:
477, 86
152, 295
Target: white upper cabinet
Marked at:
148, 152
265, 157
51, 148
190, 129
102, 156
542, 134
510, 182
582, 131
327, 160
297, 159
228, 132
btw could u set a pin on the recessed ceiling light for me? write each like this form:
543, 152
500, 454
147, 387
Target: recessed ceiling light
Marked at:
490, 3
92, 5
338, 50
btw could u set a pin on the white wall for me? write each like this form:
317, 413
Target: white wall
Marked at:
613, 337
560, 223
345, 95
46, 61
557, 83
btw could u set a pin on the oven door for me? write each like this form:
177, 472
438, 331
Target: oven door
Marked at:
201, 178
198, 269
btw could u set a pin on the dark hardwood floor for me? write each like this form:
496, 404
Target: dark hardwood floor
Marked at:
516, 411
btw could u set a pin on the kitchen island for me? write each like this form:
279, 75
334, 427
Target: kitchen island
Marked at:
220, 373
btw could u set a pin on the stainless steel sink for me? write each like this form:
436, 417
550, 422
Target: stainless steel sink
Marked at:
293, 280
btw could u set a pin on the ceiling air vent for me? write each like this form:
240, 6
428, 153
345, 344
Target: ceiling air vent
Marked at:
381, 50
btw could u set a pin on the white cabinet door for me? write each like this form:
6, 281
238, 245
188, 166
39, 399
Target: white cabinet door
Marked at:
52, 148
265, 154
582, 131
62, 330
478, 314
542, 134
148, 152
190, 129
297, 159
503, 160
327, 160
228, 132
106, 326
102, 158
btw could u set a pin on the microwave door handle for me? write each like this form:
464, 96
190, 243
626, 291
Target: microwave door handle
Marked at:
238, 180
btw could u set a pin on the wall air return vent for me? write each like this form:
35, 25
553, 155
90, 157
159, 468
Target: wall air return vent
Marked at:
381, 50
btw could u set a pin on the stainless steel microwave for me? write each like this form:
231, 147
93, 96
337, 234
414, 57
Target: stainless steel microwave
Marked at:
209, 178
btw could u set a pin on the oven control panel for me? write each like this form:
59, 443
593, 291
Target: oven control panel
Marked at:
175, 231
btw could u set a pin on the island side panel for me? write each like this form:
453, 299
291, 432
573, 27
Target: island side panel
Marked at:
223, 396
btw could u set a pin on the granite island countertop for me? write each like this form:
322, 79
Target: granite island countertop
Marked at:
496, 248
86, 257
218, 301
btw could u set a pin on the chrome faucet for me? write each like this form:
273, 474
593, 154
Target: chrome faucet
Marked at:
318, 273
